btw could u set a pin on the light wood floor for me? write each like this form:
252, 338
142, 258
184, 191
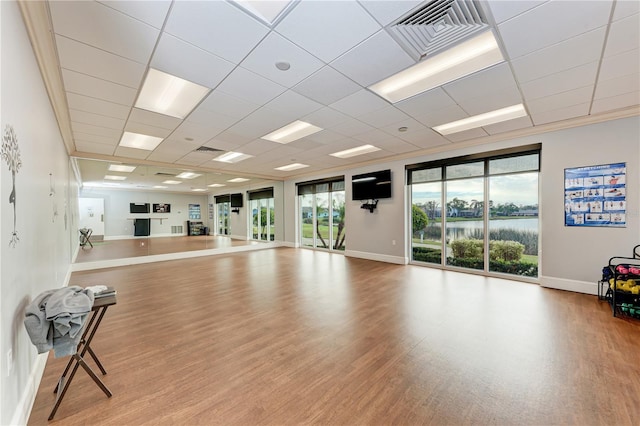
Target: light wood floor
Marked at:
292, 336
134, 247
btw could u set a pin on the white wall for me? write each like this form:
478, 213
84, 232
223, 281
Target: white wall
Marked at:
571, 258
41, 259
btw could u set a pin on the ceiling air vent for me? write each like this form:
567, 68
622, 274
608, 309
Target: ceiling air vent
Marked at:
438, 25
165, 174
207, 149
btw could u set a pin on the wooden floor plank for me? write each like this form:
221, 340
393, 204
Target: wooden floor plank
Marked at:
291, 336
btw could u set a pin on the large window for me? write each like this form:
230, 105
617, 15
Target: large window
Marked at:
223, 207
261, 221
487, 207
321, 213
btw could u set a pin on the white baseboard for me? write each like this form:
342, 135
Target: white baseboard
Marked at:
378, 257
133, 237
239, 237
23, 410
289, 244
569, 285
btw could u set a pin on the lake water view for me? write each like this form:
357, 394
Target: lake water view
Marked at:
464, 229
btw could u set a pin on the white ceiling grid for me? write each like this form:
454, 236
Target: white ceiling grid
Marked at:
563, 59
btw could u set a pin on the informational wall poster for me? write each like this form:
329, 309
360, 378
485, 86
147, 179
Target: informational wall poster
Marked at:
595, 195
194, 211
210, 211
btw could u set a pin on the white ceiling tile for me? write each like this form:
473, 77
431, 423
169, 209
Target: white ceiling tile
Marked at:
615, 102
560, 114
504, 10
139, 154
373, 60
169, 151
359, 103
293, 105
325, 117
154, 119
482, 83
327, 29
624, 35
96, 119
396, 146
418, 135
250, 87
205, 117
327, 86
152, 12
560, 20
217, 27
275, 48
258, 147
467, 135
351, 127
425, 103
572, 78
100, 26
98, 63
326, 137
385, 11
620, 65
94, 148
89, 137
617, 86
229, 136
500, 99
189, 62
225, 146
442, 116
560, 100
78, 83
260, 123
145, 129
576, 51
626, 8
196, 158
96, 130
375, 136
383, 117
507, 126
97, 106
198, 132
221, 103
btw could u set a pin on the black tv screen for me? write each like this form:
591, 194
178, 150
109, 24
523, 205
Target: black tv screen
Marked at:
162, 208
138, 207
236, 200
371, 186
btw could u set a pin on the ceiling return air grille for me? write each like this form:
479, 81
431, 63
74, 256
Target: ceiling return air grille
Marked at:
438, 25
207, 149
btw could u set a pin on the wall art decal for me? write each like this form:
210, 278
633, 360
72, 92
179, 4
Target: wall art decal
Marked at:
52, 193
11, 155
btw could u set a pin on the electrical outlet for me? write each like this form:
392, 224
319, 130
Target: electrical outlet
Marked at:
9, 361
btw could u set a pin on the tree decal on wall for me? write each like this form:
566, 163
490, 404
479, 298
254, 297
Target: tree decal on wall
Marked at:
11, 155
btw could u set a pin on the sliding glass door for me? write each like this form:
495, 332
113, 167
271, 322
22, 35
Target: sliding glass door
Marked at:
321, 214
262, 220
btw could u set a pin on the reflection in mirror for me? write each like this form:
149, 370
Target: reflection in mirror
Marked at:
130, 210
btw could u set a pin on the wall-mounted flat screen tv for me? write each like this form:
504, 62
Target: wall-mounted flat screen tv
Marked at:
138, 207
162, 208
236, 200
371, 186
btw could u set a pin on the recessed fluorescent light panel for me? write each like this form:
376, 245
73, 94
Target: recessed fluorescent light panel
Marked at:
172, 182
466, 58
160, 187
169, 95
237, 180
364, 149
113, 177
198, 189
216, 185
267, 11
188, 175
292, 132
232, 157
294, 166
139, 141
492, 117
121, 168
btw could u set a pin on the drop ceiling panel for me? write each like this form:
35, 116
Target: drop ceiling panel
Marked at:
145, 129
105, 28
624, 35
138, 154
94, 148
504, 10
217, 27
326, 137
442, 116
572, 78
327, 86
620, 65
229, 136
491, 102
617, 86
615, 102
98, 63
97, 106
151, 12
397, 146
560, 114
275, 48
206, 117
89, 137
385, 11
293, 105
250, 87
576, 51
482, 83
362, 64
96, 130
359, 103
96, 119
223, 145
260, 123
507, 126
554, 15
625, 8
258, 147
200, 133
425, 103
221, 103
97, 88
383, 117
189, 62
325, 117
197, 158
351, 127
169, 152
467, 135
154, 119
327, 29
560, 100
